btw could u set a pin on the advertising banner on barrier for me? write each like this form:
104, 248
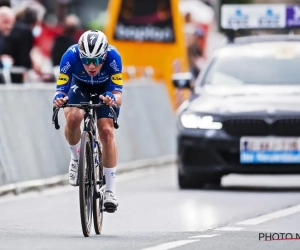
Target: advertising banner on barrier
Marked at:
259, 16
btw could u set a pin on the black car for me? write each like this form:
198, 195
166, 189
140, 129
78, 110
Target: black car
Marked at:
243, 115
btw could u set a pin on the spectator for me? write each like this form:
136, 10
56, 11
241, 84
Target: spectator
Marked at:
67, 39
195, 52
43, 36
7, 20
189, 27
20, 42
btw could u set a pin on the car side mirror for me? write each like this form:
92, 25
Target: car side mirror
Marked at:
182, 80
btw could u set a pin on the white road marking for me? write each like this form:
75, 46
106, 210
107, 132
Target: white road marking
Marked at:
204, 236
170, 245
229, 229
271, 216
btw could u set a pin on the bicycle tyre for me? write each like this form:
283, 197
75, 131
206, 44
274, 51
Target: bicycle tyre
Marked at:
98, 202
85, 190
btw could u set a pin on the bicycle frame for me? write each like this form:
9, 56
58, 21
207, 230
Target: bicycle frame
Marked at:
91, 127
89, 122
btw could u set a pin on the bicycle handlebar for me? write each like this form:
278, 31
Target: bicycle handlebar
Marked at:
84, 106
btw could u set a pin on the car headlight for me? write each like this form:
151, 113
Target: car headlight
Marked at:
202, 122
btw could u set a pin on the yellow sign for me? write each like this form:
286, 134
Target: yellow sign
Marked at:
62, 79
149, 33
117, 79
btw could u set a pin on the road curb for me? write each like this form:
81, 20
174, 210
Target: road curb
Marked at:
21, 187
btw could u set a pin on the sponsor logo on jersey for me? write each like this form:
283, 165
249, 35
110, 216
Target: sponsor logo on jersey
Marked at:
118, 89
114, 65
65, 68
117, 79
62, 79
74, 87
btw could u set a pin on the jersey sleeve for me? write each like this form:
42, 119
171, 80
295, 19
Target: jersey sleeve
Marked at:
116, 82
65, 75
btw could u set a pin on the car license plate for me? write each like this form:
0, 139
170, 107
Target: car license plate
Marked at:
269, 150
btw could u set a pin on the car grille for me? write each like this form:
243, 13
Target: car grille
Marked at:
245, 126
286, 127
259, 127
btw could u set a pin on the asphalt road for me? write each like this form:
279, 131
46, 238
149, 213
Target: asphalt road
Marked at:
155, 215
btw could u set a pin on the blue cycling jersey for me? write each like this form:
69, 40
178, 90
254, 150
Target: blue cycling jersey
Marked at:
71, 66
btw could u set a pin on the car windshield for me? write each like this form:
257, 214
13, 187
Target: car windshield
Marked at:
256, 65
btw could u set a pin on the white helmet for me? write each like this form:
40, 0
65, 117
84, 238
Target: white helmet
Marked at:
92, 43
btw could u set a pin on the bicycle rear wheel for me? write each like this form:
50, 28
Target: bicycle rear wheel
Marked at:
98, 201
86, 189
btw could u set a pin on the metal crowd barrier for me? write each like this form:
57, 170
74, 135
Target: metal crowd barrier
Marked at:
32, 149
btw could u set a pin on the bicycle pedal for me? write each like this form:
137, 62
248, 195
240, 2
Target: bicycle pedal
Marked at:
110, 208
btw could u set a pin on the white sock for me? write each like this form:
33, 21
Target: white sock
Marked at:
110, 178
74, 151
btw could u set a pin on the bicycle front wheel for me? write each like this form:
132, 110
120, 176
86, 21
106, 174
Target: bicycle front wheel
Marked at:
86, 183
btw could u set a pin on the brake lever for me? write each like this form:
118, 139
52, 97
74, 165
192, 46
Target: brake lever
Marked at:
55, 118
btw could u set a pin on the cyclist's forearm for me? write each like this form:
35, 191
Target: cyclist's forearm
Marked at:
118, 97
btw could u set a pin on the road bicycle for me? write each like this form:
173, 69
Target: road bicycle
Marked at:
91, 180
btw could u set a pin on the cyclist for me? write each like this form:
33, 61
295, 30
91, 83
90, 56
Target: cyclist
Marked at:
91, 66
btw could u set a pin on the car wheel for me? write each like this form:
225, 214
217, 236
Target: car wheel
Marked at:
184, 182
199, 182
213, 182
210, 181
187, 182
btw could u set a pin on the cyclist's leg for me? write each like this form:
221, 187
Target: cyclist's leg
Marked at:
74, 116
109, 156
